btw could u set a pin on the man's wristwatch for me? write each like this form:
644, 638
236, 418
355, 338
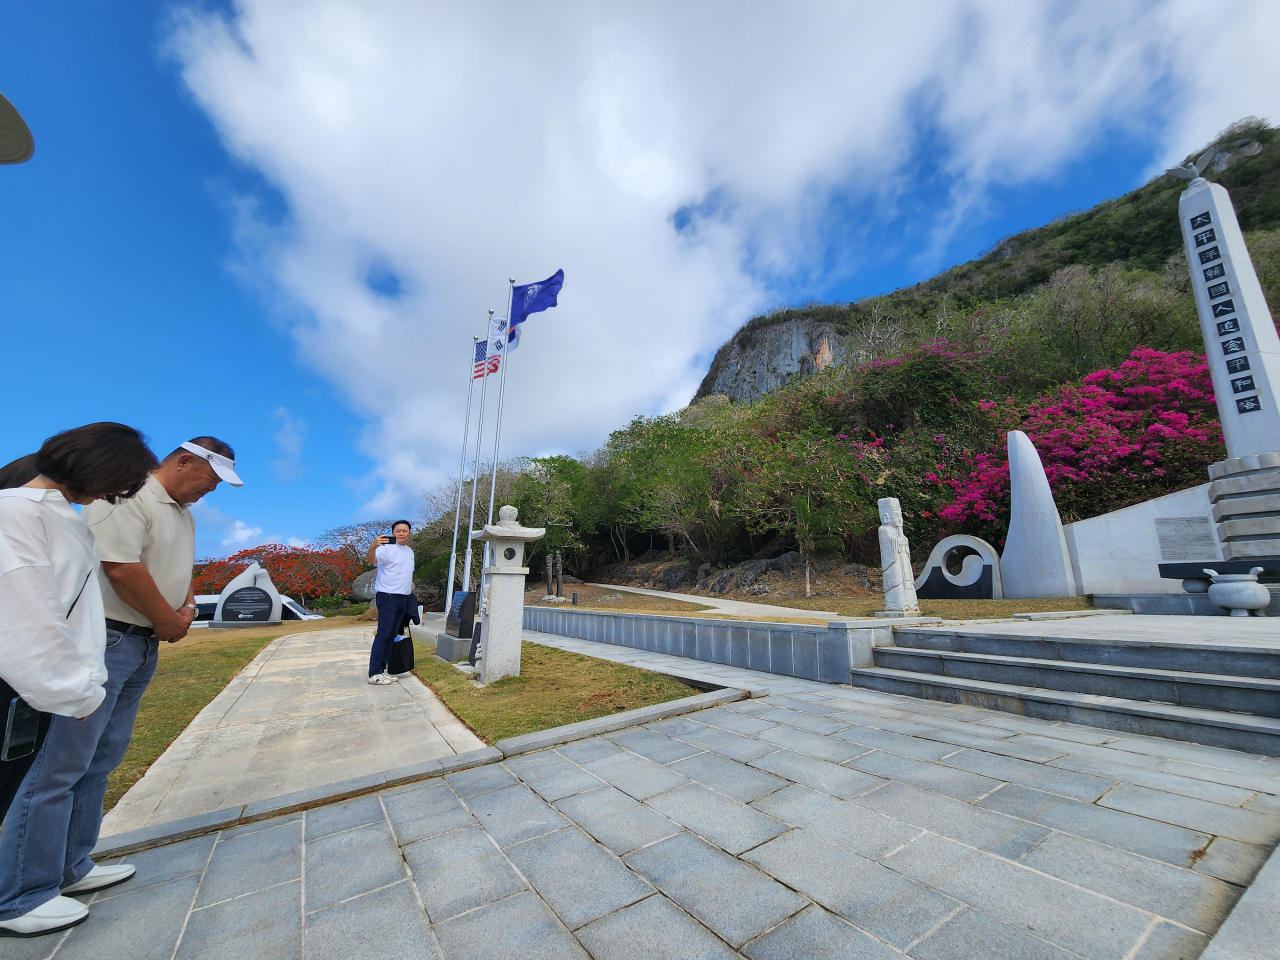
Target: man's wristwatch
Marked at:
191, 606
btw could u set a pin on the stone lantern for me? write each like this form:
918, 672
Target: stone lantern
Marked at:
503, 609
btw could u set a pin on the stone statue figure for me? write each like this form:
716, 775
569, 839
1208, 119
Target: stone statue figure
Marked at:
895, 563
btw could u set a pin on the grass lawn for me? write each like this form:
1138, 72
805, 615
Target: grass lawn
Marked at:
555, 687
190, 673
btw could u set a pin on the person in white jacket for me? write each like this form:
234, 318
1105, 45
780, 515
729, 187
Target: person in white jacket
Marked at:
53, 629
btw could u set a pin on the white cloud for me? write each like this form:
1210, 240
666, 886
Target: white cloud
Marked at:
289, 440
457, 144
241, 535
298, 542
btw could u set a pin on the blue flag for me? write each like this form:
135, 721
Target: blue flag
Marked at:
534, 298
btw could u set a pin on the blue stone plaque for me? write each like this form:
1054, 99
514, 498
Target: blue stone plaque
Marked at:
1234, 345
1214, 272
1248, 404
1219, 290
1227, 327
1207, 236
1242, 385
1224, 308
1201, 220
1237, 365
1210, 255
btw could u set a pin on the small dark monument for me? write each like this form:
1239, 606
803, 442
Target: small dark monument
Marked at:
247, 603
250, 598
459, 628
462, 615
550, 588
559, 574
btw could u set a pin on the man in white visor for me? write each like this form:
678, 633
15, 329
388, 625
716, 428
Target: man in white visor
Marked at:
147, 546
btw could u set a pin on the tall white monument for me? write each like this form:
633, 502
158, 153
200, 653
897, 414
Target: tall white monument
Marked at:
1036, 561
504, 595
1243, 354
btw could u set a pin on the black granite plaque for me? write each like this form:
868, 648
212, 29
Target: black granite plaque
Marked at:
462, 615
1248, 404
1237, 365
1228, 327
1234, 345
1242, 385
247, 604
1210, 255
1214, 272
1219, 290
1224, 308
1207, 236
1201, 220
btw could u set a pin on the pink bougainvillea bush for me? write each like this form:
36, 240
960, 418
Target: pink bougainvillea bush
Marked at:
1119, 437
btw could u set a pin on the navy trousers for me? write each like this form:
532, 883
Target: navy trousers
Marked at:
392, 609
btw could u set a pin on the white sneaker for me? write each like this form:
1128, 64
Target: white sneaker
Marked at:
394, 678
101, 877
380, 678
53, 915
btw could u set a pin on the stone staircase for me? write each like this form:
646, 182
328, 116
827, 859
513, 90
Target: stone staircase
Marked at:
1210, 692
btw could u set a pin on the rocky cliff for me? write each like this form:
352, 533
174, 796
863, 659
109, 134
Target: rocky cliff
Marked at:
757, 361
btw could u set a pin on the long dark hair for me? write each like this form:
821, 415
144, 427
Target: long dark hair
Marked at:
18, 473
108, 460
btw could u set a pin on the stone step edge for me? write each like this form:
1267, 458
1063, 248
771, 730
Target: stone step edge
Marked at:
162, 834
1084, 666
1160, 711
907, 632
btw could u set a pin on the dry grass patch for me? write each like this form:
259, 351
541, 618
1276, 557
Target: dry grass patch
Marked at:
591, 597
555, 687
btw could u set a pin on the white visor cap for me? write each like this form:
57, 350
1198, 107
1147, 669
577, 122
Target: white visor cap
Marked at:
222, 466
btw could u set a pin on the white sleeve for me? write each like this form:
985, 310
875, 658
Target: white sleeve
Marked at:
38, 656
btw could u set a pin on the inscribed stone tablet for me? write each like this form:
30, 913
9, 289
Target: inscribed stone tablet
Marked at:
247, 603
1185, 538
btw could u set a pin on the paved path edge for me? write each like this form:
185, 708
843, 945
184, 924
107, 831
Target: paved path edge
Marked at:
146, 838
1249, 932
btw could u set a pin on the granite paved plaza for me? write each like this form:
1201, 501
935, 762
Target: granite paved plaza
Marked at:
818, 822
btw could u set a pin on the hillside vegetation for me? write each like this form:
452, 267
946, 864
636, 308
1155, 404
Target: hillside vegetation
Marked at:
1083, 333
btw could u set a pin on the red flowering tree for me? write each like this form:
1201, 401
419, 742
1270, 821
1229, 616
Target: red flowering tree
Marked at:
1120, 436
300, 572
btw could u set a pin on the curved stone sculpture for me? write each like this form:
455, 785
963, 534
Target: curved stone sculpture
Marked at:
979, 576
1036, 562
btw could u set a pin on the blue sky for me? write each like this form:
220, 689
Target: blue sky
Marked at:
281, 225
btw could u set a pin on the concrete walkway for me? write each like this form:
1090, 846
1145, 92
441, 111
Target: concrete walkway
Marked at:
743, 609
818, 822
300, 715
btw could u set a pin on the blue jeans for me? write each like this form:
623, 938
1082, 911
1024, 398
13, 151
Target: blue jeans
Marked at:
391, 611
53, 823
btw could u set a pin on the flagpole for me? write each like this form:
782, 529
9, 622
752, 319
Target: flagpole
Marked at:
462, 467
502, 389
475, 469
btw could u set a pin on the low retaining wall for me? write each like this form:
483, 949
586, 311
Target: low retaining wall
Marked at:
791, 649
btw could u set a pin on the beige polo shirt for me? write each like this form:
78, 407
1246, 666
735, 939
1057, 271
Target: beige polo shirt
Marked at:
152, 529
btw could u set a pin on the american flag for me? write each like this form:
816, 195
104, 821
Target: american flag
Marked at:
484, 364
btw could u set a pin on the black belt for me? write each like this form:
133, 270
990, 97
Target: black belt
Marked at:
130, 629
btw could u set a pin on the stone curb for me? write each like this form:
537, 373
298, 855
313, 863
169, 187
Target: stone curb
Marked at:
1249, 932
166, 833
161, 834
529, 742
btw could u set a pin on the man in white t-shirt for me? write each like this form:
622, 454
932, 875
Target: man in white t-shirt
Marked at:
394, 597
